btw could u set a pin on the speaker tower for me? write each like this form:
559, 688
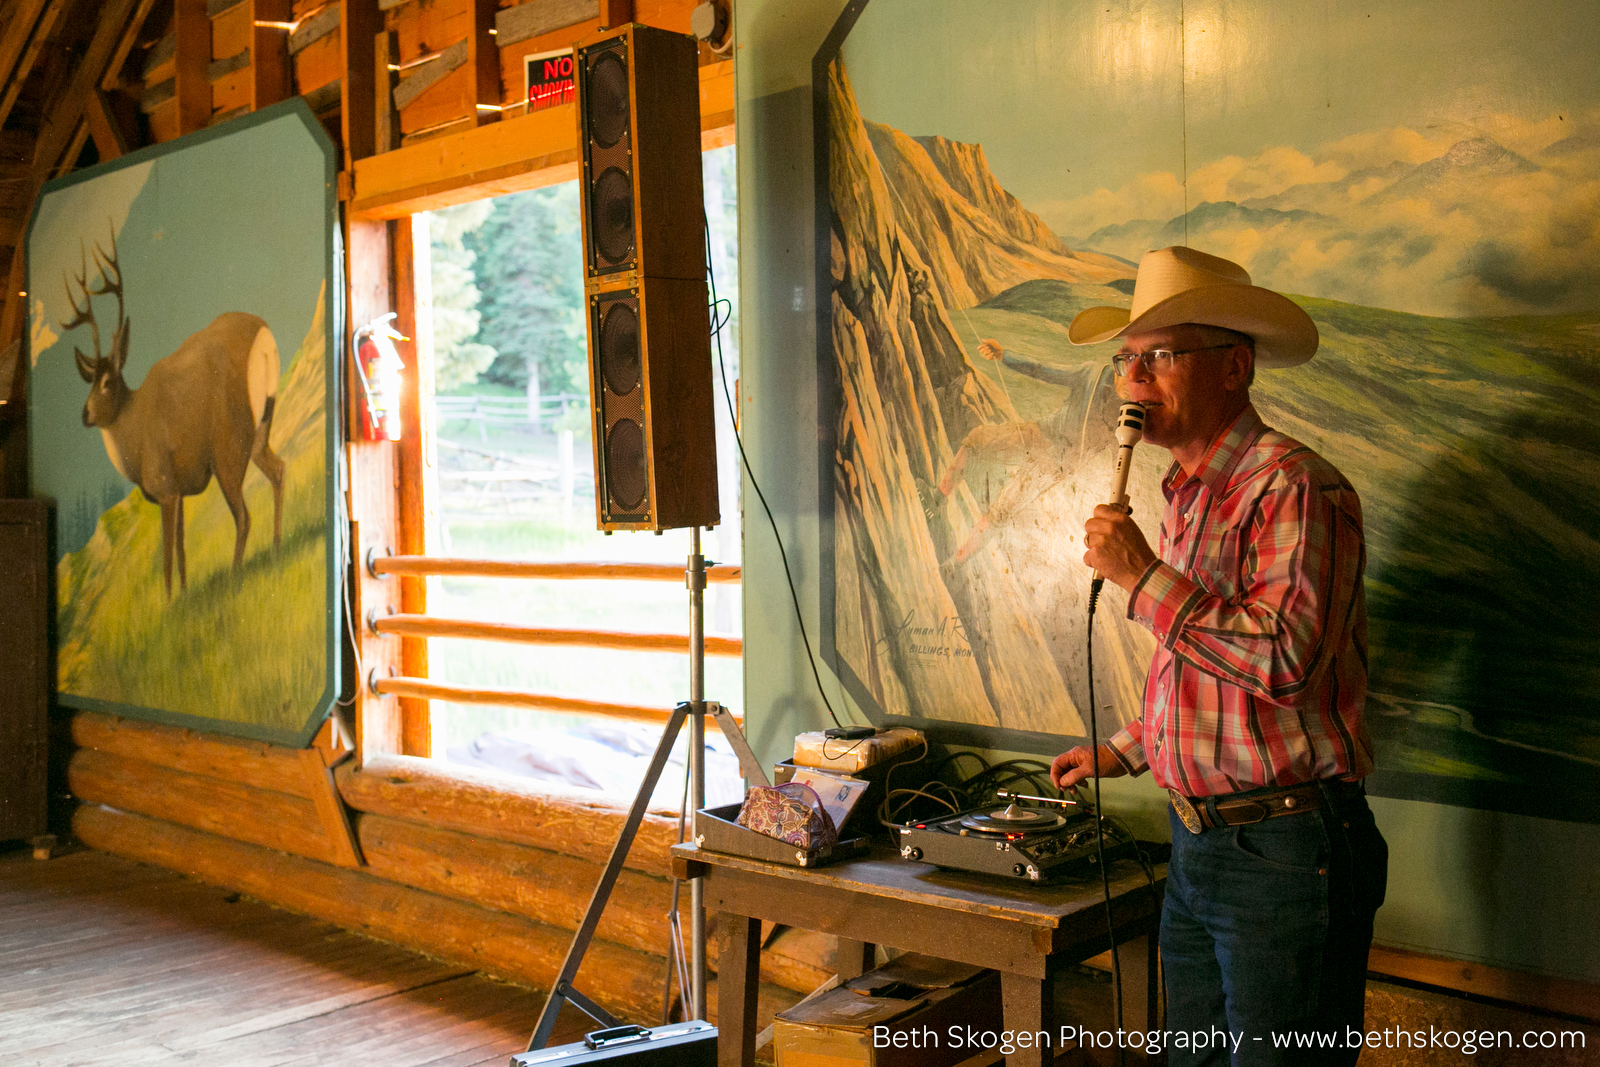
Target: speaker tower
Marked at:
638, 95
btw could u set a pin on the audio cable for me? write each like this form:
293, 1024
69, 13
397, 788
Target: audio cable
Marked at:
718, 321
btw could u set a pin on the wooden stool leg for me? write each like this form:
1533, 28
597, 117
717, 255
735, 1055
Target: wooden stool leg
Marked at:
738, 978
1029, 1006
855, 958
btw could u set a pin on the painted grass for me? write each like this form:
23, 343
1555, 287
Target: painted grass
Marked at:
248, 646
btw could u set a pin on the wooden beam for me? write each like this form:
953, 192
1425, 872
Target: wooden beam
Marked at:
191, 57
537, 883
1559, 995
483, 56
572, 571
516, 153
111, 77
614, 13
256, 764
18, 34
386, 120
513, 24
373, 501
617, 640
216, 805
109, 140
55, 136
578, 822
12, 80
360, 22
343, 848
423, 688
269, 74
416, 458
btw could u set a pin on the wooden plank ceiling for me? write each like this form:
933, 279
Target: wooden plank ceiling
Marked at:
83, 81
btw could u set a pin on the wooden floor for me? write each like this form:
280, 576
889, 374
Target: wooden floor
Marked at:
104, 961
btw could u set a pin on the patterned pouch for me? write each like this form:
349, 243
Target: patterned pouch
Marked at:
791, 812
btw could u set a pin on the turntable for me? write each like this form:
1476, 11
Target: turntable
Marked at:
1008, 839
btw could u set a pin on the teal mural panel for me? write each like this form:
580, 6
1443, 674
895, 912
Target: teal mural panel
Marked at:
182, 307
1424, 184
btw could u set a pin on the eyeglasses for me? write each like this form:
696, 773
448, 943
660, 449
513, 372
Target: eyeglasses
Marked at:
1159, 360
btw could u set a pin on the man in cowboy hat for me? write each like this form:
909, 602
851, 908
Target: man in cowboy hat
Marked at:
1252, 716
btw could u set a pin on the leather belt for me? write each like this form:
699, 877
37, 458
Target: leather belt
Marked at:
1199, 814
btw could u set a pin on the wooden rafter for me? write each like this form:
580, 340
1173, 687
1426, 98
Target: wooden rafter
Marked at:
62, 128
29, 30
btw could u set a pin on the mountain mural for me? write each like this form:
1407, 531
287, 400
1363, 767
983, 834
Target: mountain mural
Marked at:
933, 616
971, 439
1477, 230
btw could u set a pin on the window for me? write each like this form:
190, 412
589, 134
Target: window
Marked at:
515, 480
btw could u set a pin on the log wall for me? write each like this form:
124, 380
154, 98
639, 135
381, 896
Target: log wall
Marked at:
480, 870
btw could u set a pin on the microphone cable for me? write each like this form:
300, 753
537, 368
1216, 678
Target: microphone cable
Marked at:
1100, 822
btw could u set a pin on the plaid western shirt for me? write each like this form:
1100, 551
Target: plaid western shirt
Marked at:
1260, 671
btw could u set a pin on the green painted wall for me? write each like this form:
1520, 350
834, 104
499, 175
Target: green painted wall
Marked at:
1505, 890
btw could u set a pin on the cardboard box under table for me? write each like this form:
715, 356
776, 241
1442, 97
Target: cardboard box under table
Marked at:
900, 1014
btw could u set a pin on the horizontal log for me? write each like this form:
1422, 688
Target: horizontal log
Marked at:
572, 570
622, 980
160, 52
517, 153
531, 882
431, 626
526, 20
250, 763
572, 821
218, 69
554, 889
231, 809
1543, 992
157, 94
425, 689
429, 75
311, 30
324, 97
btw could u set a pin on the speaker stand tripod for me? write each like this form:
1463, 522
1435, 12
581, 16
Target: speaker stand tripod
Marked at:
693, 711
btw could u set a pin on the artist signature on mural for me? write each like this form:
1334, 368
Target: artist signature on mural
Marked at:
945, 638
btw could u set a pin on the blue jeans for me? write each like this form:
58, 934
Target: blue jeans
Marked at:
1264, 937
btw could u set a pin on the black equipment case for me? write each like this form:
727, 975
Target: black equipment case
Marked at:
690, 1044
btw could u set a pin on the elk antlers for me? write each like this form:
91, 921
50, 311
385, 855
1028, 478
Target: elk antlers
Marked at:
110, 282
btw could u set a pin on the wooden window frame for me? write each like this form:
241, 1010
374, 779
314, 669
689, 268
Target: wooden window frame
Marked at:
386, 498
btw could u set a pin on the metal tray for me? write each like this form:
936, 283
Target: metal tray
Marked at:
718, 830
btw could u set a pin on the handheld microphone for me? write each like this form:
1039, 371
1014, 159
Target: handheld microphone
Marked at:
1130, 430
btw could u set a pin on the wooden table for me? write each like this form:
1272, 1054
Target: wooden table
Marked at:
1026, 932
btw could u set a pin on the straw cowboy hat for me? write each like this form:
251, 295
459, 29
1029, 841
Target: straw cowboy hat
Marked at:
1177, 285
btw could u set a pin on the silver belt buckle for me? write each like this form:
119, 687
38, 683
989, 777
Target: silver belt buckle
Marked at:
1186, 812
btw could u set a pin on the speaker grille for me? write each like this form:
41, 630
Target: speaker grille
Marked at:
619, 370
608, 155
612, 212
619, 347
608, 99
626, 476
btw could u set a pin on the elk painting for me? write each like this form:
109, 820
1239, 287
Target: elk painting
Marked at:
182, 415
204, 411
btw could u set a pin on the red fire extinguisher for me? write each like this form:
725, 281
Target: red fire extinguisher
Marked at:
378, 365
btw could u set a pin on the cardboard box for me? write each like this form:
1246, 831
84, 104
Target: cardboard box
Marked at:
899, 1015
